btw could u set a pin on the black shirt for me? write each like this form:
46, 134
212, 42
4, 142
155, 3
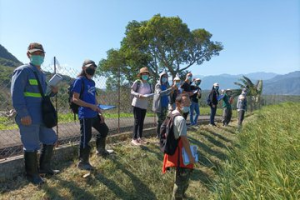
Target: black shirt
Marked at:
186, 86
195, 97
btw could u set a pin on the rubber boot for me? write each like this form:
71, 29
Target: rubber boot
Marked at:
31, 168
45, 160
100, 145
84, 156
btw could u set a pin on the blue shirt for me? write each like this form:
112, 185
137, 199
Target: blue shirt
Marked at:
88, 96
164, 99
26, 96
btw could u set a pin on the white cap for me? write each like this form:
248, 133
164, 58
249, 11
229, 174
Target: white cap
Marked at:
216, 84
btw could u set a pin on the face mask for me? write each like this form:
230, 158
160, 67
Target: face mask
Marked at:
145, 77
36, 60
178, 85
190, 78
164, 80
216, 87
185, 109
90, 71
197, 83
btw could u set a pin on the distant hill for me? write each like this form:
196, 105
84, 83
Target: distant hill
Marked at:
7, 59
288, 84
227, 80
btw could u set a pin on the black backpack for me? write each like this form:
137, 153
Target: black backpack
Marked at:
208, 101
74, 107
167, 141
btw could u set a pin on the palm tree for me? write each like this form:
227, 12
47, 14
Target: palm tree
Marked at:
254, 91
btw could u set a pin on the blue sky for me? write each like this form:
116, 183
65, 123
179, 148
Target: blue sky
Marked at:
257, 35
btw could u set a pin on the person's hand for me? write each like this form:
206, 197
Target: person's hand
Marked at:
141, 96
192, 160
95, 108
26, 121
54, 89
213, 106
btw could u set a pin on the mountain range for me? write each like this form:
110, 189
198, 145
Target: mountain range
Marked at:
274, 84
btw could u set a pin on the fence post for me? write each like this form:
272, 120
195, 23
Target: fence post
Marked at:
56, 105
119, 97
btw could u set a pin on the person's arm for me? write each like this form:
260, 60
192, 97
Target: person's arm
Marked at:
165, 92
18, 84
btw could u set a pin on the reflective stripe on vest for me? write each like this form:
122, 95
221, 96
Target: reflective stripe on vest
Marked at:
32, 94
33, 82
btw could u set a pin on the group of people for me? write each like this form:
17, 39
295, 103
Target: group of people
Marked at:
181, 98
27, 99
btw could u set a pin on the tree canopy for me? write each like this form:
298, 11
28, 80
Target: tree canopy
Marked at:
159, 43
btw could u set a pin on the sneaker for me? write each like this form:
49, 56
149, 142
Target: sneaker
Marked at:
142, 141
135, 142
212, 125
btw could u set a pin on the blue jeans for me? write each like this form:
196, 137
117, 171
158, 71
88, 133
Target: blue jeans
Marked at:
194, 106
213, 111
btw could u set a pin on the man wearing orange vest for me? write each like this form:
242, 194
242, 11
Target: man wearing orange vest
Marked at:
182, 174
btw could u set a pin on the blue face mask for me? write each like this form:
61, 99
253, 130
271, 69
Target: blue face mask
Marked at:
145, 77
164, 80
198, 83
190, 78
36, 60
185, 109
178, 85
216, 87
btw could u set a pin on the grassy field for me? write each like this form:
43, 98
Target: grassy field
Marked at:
267, 163
261, 162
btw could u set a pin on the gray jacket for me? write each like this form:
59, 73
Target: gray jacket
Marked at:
158, 93
242, 102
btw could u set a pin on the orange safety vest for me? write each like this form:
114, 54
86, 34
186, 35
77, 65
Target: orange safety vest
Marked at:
172, 161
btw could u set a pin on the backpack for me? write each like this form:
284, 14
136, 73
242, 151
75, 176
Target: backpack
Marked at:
74, 107
167, 141
138, 84
208, 102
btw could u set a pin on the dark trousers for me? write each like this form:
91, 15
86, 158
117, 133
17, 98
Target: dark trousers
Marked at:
86, 125
213, 111
241, 114
139, 117
227, 113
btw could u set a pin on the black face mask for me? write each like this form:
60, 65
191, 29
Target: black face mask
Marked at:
90, 71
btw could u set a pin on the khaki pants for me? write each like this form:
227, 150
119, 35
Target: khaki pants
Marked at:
181, 184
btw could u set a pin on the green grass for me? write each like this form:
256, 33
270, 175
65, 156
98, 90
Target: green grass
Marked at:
260, 162
132, 173
267, 163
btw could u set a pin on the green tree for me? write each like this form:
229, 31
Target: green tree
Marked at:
161, 42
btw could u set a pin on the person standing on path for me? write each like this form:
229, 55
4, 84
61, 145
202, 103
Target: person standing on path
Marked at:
161, 99
26, 100
241, 107
140, 103
183, 172
195, 102
89, 114
213, 103
227, 109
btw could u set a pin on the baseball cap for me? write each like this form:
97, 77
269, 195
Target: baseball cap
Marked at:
88, 63
33, 47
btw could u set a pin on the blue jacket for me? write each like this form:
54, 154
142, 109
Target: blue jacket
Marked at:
25, 93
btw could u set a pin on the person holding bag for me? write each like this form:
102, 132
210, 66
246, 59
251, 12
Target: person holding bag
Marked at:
27, 89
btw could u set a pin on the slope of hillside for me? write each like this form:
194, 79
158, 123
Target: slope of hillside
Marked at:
7, 59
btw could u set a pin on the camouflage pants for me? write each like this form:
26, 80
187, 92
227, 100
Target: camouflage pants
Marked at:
181, 183
160, 119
